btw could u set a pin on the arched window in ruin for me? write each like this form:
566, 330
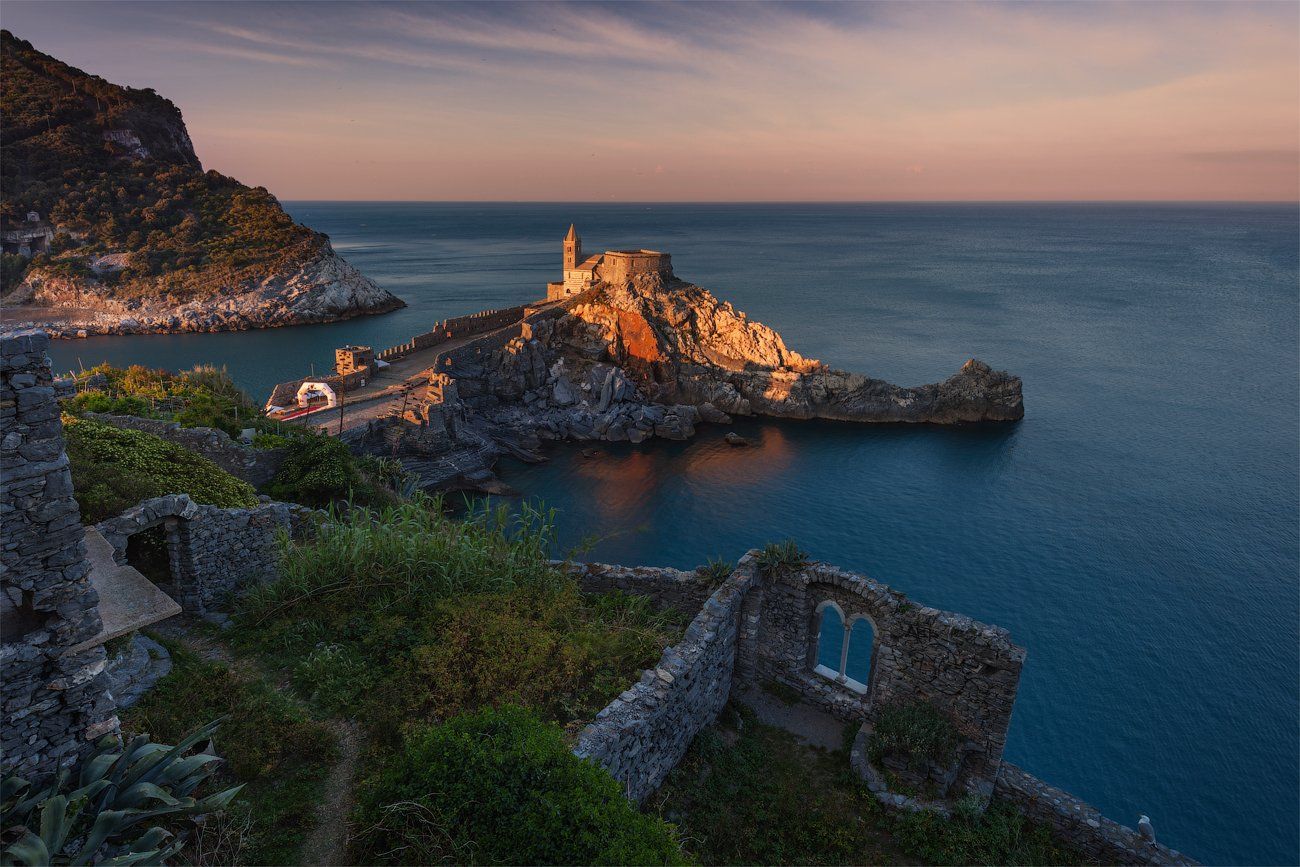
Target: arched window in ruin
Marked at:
843, 655
857, 657
830, 639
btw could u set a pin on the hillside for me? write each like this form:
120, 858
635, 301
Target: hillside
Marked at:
132, 235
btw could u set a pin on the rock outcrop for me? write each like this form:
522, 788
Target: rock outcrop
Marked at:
645, 358
171, 248
321, 288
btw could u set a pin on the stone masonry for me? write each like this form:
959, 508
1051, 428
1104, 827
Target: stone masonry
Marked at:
641, 735
968, 670
55, 703
213, 552
761, 625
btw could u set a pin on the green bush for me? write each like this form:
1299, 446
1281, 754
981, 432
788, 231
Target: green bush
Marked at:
918, 731
113, 469
318, 470
406, 615
203, 396
501, 786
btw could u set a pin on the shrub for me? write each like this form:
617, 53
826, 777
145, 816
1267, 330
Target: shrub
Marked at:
317, 471
369, 558
113, 469
114, 792
781, 557
918, 731
501, 786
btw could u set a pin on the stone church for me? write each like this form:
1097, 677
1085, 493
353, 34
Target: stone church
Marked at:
612, 266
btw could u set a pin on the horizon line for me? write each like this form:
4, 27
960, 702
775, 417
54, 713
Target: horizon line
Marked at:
1295, 202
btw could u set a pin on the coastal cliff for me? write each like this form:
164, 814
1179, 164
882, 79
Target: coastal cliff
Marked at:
625, 362
110, 225
680, 344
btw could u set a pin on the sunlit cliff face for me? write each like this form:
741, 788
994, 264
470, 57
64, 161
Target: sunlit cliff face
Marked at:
716, 102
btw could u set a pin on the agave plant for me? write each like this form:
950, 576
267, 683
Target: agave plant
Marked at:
115, 792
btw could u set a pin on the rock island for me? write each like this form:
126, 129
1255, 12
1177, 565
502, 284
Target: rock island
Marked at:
621, 349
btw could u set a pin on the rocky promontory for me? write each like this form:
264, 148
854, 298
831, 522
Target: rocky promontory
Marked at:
322, 287
650, 357
110, 225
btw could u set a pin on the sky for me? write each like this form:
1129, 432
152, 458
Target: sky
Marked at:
717, 101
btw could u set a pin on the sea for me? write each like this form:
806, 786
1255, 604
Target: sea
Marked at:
1137, 532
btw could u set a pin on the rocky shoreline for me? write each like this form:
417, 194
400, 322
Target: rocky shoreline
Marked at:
322, 288
625, 363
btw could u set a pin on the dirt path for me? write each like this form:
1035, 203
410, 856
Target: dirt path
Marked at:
326, 843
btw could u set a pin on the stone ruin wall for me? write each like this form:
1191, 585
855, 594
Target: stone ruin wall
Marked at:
455, 328
253, 465
55, 704
672, 589
1081, 825
969, 670
640, 736
214, 553
756, 626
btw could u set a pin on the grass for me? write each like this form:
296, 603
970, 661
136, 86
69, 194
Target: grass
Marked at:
781, 557
918, 732
748, 793
269, 743
404, 615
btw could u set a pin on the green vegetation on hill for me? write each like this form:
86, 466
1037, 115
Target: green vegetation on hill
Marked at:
500, 786
748, 793
113, 469
406, 615
270, 745
188, 233
203, 396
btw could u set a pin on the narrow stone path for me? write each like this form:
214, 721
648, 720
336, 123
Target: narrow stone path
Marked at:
326, 843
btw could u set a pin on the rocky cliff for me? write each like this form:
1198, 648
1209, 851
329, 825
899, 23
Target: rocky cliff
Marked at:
111, 225
646, 358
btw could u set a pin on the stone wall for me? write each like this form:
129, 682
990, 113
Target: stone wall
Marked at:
1079, 824
214, 553
255, 466
969, 670
620, 266
671, 589
456, 328
55, 703
642, 735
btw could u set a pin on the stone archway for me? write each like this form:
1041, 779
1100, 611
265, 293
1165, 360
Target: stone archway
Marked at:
173, 515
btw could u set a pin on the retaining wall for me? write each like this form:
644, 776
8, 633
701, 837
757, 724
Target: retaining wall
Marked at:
668, 588
1079, 824
642, 735
214, 553
455, 328
55, 703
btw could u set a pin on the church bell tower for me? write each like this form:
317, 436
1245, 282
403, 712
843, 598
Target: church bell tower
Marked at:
572, 248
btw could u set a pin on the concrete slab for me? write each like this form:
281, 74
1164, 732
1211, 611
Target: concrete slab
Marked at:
127, 599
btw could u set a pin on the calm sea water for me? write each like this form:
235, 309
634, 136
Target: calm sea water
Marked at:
1137, 532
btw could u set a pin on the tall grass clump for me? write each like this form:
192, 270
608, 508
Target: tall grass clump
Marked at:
379, 558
